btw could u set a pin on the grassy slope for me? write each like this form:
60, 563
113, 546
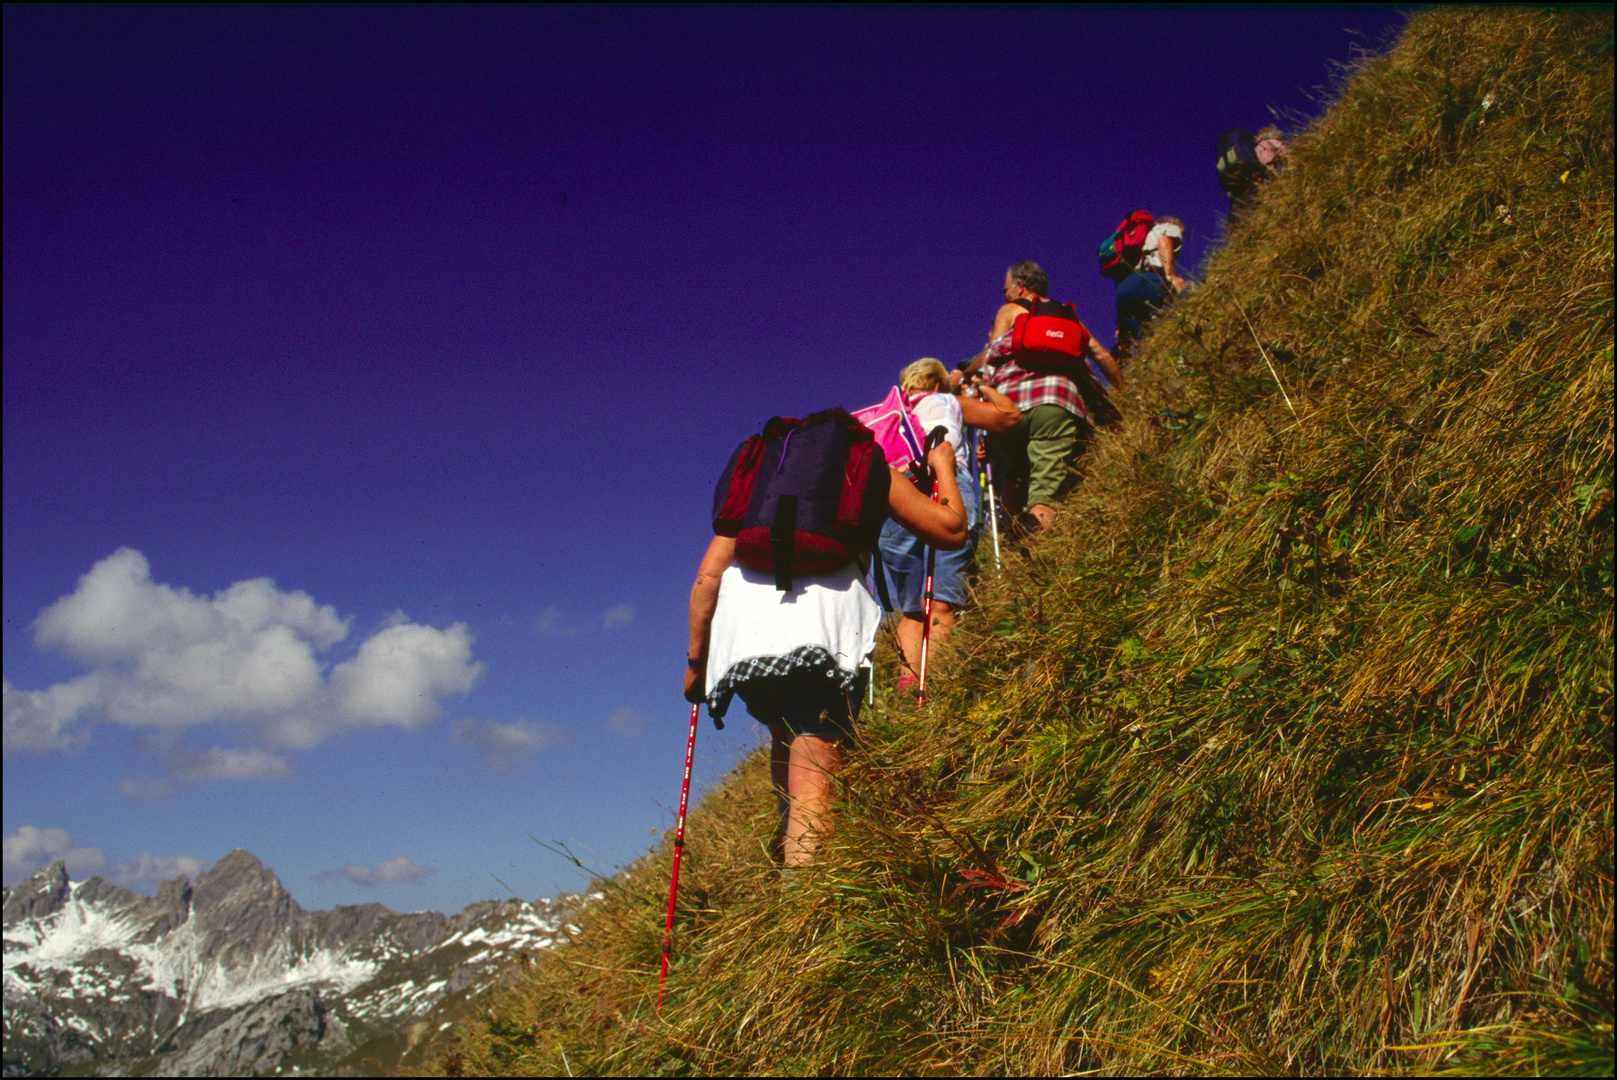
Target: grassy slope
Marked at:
1292, 752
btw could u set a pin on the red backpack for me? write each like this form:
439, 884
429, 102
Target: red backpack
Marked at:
1049, 335
804, 497
1049, 338
1120, 252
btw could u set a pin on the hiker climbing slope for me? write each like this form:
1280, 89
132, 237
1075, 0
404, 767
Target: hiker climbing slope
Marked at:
1149, 281
780, 615
926, 384
1246, 161
1038, 354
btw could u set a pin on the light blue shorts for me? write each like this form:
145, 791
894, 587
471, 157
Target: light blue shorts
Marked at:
903, 555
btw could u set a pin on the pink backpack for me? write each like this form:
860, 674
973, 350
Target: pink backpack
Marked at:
898, 431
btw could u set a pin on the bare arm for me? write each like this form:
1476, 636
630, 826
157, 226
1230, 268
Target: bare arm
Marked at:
704, 601
1114, 374
941, 524
1165, 250
993, 413
1003, 318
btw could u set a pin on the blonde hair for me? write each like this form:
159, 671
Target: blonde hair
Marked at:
927, 373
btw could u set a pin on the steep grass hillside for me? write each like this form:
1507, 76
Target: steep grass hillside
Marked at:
1291, 751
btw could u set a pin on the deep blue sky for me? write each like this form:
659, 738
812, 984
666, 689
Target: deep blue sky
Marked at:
380, 362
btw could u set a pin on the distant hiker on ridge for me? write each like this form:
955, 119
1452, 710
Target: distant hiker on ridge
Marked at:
1038, 354
780, 614
1246, 161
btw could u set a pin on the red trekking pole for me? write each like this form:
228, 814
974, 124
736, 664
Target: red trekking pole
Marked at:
679, 848
935, 436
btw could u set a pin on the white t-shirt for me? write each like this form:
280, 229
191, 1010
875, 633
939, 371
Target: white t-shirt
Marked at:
935, 409
1150, 256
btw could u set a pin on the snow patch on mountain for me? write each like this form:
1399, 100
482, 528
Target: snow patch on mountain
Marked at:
98, 975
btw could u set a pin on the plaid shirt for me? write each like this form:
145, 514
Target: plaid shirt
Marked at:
808, 657
1028, 389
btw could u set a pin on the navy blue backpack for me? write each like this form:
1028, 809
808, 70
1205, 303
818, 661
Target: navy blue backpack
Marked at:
805, 496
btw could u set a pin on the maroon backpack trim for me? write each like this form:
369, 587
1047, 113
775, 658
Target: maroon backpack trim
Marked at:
855, 477
739, 476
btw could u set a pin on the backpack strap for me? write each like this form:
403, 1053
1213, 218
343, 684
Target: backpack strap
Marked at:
780, 538
876, 571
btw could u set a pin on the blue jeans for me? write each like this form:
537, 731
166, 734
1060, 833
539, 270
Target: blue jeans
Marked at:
1140, 297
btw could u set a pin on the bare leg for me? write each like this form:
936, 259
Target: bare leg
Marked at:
780, 751
942, 620
801, 769
909, 646
909, 636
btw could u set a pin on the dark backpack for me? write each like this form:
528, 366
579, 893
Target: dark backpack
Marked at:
1120, 252
804, 497
1239, 169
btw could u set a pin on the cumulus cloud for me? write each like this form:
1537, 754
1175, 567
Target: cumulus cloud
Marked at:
30, 849
42, 719
628, 721
402, 671
622, 615
166, 661
505, 745
388, 873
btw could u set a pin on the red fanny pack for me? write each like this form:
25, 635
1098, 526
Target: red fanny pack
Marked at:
1049, 335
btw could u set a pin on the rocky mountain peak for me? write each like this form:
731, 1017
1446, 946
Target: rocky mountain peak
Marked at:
228, 975
240, 909
42, 894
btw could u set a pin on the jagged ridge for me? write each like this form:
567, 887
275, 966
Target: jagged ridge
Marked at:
231, 975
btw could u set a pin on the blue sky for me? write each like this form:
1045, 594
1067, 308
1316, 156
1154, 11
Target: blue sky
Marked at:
368, 369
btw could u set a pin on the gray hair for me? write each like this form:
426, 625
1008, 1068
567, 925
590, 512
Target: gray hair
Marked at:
1031, 275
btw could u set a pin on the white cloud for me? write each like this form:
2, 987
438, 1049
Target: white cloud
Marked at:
42, 719
505, 745
154, 870
30, 849
224, 763
167, 660
628, 721
148, 789
186, 767
553, 620
388, 873
402, 671
622, 615
119, 613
